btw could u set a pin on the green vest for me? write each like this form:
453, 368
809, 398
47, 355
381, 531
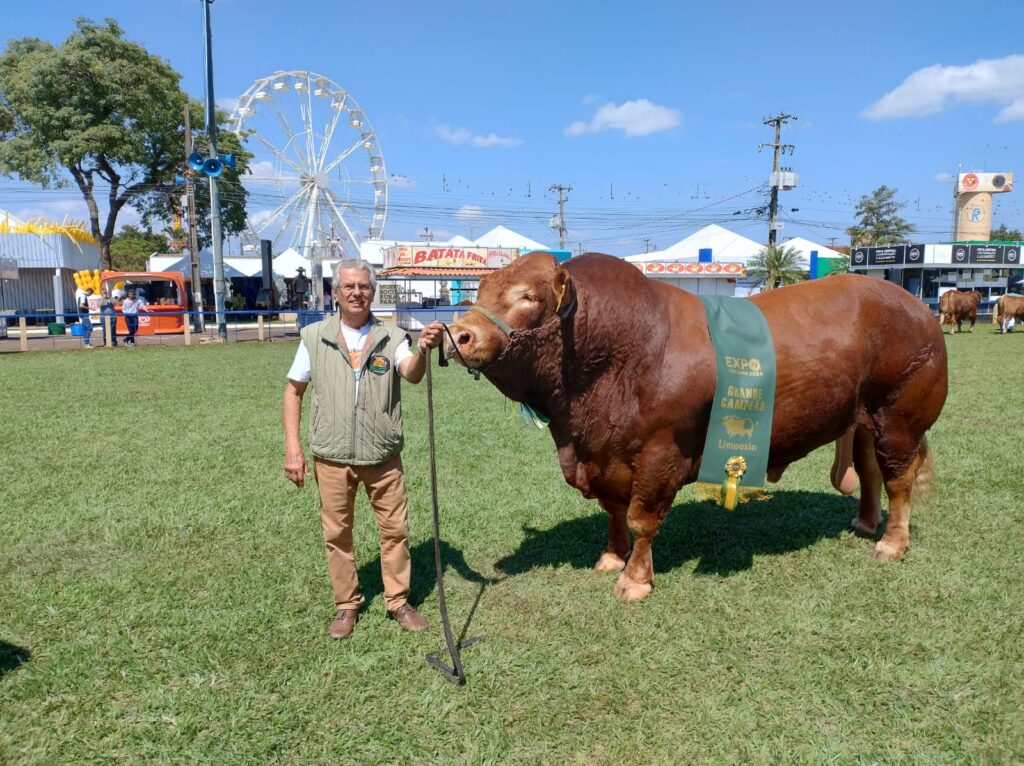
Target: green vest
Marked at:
367, 431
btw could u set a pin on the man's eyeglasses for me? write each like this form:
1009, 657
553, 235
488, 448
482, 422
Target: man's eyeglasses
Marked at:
349, 289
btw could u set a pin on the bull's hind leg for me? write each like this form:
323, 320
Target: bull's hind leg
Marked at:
615, 554
899, 486
864, 460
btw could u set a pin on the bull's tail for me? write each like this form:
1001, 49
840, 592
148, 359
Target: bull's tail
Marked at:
997, 310
925, 478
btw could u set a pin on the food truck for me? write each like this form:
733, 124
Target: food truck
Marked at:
165, 293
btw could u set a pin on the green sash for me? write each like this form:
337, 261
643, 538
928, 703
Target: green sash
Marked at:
736, 449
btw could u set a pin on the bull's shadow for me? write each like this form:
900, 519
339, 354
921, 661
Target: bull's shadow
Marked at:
722, 542
12, 657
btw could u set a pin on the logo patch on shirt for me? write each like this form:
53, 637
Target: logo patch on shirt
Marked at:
379, 364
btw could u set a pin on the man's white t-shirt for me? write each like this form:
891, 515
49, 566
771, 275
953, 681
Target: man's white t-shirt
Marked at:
301, 370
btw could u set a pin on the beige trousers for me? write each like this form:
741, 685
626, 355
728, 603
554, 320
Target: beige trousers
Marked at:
385, 487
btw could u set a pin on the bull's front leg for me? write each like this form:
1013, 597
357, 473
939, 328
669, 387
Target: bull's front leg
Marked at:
637, 580
617, 551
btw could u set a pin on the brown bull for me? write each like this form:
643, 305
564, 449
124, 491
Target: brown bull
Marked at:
624, 367
956, 306
1006, 308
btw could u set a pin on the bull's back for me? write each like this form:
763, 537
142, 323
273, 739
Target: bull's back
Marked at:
844, 345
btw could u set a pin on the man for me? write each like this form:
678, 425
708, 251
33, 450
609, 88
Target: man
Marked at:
351, 359
130, 308
83, 316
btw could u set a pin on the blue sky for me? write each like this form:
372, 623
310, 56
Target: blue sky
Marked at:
651, 111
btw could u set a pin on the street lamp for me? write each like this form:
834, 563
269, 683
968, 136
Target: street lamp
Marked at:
213, 169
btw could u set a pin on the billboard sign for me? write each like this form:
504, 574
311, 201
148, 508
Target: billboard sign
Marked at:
993, 183
692, 269
449, 257
887, 257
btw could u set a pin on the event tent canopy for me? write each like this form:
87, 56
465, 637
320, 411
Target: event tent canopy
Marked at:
724, 245
500, 236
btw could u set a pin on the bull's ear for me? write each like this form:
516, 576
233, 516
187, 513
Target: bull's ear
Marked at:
565, 291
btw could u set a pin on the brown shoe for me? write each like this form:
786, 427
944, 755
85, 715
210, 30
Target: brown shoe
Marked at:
409, 618
344, 623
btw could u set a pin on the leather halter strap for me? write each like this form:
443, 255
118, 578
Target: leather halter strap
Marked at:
494, 318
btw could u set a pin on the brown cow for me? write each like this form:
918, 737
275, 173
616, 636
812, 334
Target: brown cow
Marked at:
958, 306
624, 367
1008, 307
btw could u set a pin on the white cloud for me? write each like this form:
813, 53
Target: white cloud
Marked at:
460, 136
942, 177
470, 213
634, 118
936, 88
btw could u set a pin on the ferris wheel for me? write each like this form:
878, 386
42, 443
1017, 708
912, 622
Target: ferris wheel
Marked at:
317, 173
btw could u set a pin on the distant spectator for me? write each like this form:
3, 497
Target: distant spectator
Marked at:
83, 316
130, 308
108, 316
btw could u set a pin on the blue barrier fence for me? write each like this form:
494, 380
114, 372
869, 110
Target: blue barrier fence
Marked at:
47, 330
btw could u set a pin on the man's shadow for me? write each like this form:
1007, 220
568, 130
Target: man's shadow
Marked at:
723, 542
12, 657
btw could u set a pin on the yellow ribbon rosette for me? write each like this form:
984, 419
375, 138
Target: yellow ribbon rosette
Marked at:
735, 467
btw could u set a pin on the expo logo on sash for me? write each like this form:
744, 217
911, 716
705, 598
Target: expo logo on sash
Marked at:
750, 367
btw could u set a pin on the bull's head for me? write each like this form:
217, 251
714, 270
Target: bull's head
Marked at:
524, 295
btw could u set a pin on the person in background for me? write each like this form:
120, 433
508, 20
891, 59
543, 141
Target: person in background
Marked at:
108, 316
130, 308
83, 316
354, 363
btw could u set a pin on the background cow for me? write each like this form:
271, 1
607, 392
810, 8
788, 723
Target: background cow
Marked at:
624, 367
1008, 309
958, 306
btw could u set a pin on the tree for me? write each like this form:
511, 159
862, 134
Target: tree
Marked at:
105, 112
880, 223
776, 267
163, 205
1003, 234
131, 247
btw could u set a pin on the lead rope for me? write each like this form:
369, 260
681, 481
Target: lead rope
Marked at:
455, 674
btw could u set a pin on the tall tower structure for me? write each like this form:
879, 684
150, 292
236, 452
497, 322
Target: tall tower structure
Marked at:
974, 203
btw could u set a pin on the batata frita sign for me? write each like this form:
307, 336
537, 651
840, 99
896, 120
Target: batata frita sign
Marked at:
449, 257
677, 269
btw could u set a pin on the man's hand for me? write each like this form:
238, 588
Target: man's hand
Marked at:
430, 337
295, 467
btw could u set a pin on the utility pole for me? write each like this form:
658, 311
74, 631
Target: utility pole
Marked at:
193, 231
778, 148
211, 131
647, 245
560, 222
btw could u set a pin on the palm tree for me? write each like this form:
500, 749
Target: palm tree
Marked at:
776, 267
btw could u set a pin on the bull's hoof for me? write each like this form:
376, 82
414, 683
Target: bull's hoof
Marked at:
631, 591
887, 552
861, 529
609, 562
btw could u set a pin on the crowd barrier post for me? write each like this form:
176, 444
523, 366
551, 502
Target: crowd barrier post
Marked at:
23, 332
188, 329
259, 327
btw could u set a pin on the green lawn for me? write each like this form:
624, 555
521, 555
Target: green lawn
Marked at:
164, 596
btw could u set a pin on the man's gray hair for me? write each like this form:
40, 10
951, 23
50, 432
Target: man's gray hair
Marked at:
355, 263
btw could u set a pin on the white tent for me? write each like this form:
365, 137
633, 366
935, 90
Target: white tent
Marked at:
725, 246
184, 265
288, 262
460, 241
805, 246
500, 236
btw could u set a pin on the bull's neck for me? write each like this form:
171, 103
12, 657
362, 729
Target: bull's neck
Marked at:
530, 369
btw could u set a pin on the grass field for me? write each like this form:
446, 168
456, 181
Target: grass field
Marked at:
164, 596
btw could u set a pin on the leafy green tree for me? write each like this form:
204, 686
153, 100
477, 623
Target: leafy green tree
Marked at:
879, 220
776, 267
161, 206
103, 113
131, 247
1003, 234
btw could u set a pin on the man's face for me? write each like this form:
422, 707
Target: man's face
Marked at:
354, 294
